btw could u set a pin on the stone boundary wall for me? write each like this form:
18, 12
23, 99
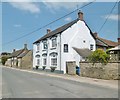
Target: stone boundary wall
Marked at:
100, 71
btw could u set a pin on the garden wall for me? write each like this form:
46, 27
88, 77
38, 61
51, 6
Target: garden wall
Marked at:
100, 71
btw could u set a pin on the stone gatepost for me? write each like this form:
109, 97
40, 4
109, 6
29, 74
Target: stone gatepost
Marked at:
71, 67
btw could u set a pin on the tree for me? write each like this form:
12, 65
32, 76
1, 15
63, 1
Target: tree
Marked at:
4, 59
99, 56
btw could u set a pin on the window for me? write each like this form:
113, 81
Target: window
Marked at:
53, 61
44, 61
54, 42
38, 47
91, 47
45, 45
38, 62
65, 47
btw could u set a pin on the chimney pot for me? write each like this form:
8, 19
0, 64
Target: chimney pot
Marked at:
48, 30
80, 15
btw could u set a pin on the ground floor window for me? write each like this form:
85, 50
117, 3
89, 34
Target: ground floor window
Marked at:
53, 61
44, 61
38, 62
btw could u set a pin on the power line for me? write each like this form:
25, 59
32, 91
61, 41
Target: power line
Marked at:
48, 24
108, 17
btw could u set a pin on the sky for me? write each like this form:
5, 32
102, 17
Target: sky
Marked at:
21, 18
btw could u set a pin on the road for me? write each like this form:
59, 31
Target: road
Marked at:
18, 84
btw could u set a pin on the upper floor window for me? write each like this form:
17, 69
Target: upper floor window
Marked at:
91, 46
65, 47
38, 47
45, 45
54, 42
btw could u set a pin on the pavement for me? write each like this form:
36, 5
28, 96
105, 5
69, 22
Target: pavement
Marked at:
27, 83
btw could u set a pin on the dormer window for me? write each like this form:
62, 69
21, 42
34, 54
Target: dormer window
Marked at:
54, 42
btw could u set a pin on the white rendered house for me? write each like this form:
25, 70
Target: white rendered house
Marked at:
57, 46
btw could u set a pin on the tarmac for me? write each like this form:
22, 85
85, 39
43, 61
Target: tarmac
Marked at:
101, 82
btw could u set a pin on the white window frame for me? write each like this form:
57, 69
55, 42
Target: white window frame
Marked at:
38, 46
54, 43
43, 63
91, 46
38, 62
65, 50
45, 42
53, 64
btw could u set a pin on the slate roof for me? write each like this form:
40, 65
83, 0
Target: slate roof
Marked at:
85, 52
16, 53
23, 53
100, 43
61, 29
108, 42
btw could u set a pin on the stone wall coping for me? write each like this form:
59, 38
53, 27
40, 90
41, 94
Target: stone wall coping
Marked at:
98, 62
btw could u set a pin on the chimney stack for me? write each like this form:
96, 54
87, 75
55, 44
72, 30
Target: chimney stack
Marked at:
25, 46
13, 50
95, 34
80, 15
118, 41
48, 30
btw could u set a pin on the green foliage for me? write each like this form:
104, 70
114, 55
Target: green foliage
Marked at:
4, 59
99, 56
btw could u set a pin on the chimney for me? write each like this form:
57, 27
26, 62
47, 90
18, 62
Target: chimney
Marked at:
80, 15
118, 41
95, 34
13, 50
48, 30
25, 46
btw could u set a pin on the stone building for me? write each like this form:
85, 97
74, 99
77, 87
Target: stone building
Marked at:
20, 58
104, 44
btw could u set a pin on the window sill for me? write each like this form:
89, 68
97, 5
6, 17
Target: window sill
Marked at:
37, 51
44, 50
52, 48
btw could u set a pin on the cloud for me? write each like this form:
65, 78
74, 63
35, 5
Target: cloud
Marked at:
67, 4
26, 6
114, 17
68, 19
17, 25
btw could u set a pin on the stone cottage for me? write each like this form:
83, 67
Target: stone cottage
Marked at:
20, 58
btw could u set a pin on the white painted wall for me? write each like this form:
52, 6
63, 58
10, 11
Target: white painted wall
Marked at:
74, 37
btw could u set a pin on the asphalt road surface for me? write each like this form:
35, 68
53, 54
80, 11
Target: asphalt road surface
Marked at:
18, 84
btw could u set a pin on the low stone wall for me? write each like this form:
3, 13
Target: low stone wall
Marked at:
100, 71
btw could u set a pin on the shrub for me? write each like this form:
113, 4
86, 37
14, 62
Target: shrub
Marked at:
99, 56
37, 67
53, 69
43, 67
4, 59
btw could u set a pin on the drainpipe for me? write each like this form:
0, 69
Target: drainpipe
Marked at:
60, 52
